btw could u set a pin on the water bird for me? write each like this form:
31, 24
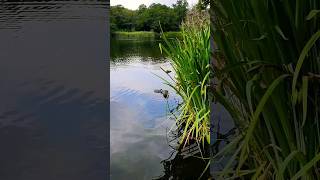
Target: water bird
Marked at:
165, 93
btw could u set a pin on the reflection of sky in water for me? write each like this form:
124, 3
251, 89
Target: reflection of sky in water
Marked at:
138, 118
134, 86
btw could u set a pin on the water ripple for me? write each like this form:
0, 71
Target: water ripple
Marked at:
14, 13
53, 108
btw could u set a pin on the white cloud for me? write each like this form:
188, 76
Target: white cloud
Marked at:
134, 4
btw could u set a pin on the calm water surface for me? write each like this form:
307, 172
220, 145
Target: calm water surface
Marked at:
53, 90
139, 120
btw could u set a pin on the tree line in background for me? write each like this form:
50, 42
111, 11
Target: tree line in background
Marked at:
148, 18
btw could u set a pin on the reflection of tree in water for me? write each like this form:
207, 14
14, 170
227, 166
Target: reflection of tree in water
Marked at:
145, 50
187, 162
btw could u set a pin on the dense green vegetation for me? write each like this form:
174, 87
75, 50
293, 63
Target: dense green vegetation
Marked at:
267, 69
145, 35
190, 59
148, 18
134, 35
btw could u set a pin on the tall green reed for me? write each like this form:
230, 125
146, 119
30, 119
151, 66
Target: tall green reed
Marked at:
190, 59
267, 66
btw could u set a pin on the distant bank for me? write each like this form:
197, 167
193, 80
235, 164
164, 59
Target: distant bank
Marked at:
144, 34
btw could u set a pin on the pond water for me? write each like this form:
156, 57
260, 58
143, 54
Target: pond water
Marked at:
139, 117
53, 119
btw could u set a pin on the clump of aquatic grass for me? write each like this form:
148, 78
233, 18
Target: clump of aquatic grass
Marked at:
267, 67
190, 59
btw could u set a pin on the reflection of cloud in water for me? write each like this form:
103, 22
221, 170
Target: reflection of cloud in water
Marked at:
146, 105
138, 120
138, 76
135, 150
134, 85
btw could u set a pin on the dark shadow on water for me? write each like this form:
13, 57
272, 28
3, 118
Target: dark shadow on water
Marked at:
222, 132
186, 168
38, 140
53, 110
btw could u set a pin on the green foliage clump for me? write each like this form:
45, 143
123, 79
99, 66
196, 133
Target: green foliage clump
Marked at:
121, 18
148, 18
135, 35
190, 59
267, 66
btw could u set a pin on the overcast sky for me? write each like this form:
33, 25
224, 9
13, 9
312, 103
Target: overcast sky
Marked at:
134, 4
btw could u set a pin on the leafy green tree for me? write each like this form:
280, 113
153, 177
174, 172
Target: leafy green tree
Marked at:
202, 4
148, 18
180, 9
162, 14
140, 20
121, 18
142, 8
